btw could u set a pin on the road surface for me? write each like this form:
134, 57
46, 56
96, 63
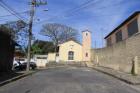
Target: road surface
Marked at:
68, 80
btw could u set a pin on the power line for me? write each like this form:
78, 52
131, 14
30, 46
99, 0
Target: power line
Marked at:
80, 6
74, 15
70, 11
100, 8
10, 10
24, 12
103, 6
84, 5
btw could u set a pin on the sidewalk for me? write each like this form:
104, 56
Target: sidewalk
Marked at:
9, 77
128, 78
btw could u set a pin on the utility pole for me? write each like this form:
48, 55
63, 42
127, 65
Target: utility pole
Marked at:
95, 44
102, 42
102, 38
33, 4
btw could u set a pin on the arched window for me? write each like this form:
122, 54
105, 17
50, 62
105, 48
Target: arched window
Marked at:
70, 55
86, 54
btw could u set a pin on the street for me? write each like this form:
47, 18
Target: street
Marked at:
68, 80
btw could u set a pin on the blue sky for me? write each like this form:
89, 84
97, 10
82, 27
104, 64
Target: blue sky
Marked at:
99, 16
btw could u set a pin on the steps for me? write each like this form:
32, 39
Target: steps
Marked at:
89, 64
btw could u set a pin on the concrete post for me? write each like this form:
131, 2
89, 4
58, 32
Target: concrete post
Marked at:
135, 66
97, 60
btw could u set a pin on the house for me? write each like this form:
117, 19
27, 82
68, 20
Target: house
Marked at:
73, 51
7, 48
128, 28
70, 51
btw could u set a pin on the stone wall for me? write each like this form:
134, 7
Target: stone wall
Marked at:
120, 55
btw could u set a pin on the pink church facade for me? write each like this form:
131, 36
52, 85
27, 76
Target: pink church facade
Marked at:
86, 46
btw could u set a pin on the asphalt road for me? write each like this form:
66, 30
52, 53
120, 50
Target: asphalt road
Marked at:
68, 80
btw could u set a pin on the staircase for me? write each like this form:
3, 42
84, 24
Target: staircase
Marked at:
73, 64
89, 64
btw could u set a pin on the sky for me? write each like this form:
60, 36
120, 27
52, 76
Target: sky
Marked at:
98, 16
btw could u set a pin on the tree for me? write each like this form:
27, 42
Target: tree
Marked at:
18, 30
35, 49
59, 33
42, 47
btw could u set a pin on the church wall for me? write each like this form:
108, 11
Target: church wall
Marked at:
86, 49
70, 46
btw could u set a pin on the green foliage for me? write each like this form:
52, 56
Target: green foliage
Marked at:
36, 49
42, 47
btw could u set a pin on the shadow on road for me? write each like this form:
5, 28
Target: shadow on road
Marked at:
8, 75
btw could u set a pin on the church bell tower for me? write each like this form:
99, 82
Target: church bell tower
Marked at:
86, 46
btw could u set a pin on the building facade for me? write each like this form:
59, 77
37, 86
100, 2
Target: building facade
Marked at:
123, 45
86, 45
128, 28
73, 51
70, 51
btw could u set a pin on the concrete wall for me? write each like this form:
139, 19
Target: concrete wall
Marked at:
41, 60
51, 57
120, 55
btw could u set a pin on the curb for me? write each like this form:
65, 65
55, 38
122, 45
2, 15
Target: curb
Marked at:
16, 78
119, 78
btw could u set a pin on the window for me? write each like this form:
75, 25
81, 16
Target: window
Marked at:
109, 41
86, 54
119, 36
57, 54
22, 59
70, 55
86, 34
133, 28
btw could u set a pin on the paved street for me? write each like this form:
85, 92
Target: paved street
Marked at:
68, 80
